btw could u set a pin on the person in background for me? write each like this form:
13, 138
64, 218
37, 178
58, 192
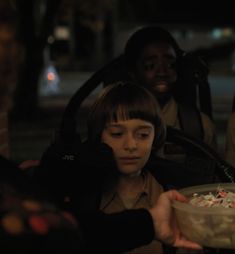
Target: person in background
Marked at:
152, 56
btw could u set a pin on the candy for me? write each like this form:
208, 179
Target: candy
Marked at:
221, 198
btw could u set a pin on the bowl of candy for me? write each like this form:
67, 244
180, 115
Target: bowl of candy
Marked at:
209, 216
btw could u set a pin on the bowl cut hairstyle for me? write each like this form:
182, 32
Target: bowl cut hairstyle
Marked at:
125, 100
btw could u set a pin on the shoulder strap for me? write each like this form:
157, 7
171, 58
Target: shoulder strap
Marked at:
190, 121
233, 106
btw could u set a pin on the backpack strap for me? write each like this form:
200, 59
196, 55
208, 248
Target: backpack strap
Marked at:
190, 121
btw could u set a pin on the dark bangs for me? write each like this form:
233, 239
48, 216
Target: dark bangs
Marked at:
128, 101
123, 101
132, 109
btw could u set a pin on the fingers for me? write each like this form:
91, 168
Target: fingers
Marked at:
175, 195
184, 243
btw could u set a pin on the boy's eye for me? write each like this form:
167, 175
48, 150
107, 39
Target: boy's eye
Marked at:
171, 64
142, 135
116, 133
149, 65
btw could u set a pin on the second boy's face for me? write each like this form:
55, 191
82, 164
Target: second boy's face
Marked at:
131, 142
155, 68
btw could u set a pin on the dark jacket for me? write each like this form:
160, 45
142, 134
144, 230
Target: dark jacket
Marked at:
101, 233
65, 183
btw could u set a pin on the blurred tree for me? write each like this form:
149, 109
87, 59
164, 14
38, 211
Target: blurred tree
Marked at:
35, 24
92, 31
9, 63
9, 55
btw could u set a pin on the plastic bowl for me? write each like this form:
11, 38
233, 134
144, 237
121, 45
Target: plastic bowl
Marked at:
209, 226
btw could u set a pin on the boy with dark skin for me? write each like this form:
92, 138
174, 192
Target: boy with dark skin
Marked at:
151, 55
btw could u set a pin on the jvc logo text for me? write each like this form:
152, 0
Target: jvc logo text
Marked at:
68, 157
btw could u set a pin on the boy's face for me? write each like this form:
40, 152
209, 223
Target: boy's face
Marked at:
155, 68
131, 142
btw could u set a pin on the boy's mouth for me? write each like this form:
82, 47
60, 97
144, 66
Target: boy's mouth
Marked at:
161, 86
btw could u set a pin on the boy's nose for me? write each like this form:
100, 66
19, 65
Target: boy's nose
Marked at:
130, 143
161, 69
